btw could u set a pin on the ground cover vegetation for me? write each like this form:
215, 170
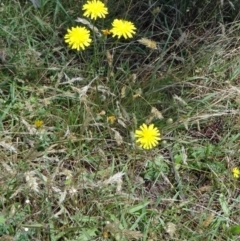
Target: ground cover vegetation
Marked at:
119, 120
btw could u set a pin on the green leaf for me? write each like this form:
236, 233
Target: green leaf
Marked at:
235, 230
2, 219
224, 204
136, 208
88, 234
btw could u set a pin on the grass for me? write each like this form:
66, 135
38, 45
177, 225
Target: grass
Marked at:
81, 177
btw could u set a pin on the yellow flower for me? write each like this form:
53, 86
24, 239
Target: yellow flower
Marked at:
78, 38
105, 32
38, 123
236, 172
111, 119
94, 9
147, 136
123, 28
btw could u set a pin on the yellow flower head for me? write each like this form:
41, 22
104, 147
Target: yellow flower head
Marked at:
38, 123
105, 32
78, 38
111, 119
236, 172
123, 28
147, 136
94, 9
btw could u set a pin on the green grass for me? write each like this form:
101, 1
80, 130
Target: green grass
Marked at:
79, 177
